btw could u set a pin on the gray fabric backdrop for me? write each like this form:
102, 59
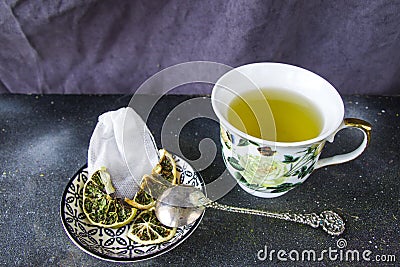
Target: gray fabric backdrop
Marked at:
105, 46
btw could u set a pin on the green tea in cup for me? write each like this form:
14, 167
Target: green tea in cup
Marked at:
275, 115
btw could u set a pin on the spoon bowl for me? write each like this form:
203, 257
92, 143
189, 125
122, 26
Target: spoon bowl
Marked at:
180, 205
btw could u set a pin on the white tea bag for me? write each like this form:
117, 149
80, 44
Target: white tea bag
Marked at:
123, 144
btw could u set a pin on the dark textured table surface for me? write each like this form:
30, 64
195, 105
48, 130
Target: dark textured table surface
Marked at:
44, 141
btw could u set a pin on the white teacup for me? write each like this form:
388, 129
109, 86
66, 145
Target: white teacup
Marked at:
267, 168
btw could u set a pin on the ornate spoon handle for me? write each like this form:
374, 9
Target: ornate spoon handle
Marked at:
330, 221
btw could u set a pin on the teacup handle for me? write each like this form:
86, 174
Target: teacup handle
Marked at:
362, 125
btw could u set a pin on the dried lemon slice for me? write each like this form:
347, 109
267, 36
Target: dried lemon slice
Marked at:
146, 229
100, 206
142, 199
167, 169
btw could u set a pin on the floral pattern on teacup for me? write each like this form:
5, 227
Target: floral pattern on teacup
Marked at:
303, 164
263, 171
226, 138
263, 168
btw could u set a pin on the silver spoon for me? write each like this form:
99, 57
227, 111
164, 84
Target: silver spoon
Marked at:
181, 205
